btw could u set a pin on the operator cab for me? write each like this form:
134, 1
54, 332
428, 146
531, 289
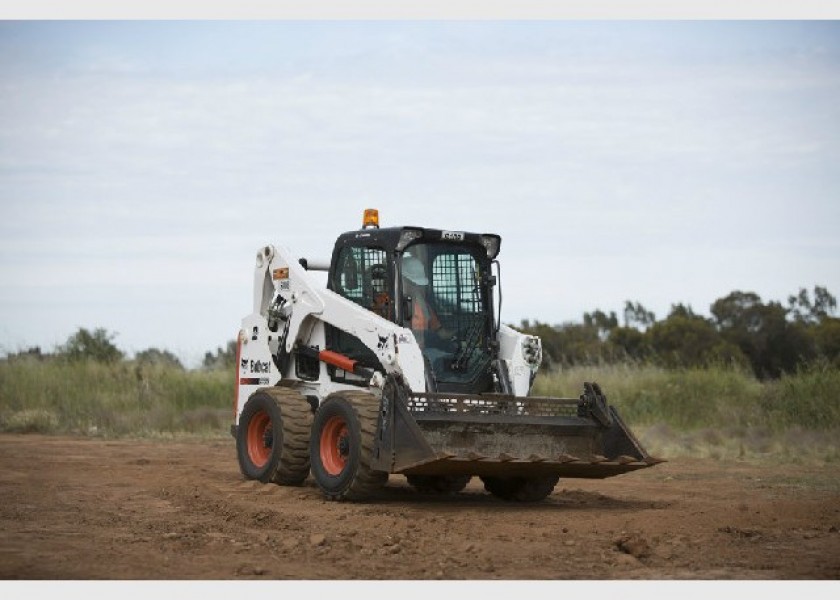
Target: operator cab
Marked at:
437, 283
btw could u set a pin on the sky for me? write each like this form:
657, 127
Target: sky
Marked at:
143, 163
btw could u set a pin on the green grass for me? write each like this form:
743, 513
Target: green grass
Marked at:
810, 399
714, 412
715, 397
119, 399
718, 412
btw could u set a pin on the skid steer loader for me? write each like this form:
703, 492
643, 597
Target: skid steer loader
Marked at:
401, 365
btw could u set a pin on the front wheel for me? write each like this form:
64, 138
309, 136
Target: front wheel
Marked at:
341, 446
521, 489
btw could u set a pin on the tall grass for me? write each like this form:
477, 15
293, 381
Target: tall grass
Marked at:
811, 398
712, 397
117, 399
718, 412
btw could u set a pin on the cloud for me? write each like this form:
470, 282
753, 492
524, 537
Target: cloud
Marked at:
617, 161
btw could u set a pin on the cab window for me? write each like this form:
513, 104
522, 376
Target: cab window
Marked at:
362, 277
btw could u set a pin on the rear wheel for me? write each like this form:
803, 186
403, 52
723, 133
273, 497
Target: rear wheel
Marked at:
438, 484
341, 446
520, 489
273, 435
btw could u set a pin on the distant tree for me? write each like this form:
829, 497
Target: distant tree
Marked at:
636, 314
827, 338
224, 358
772, 343
769, 337
690, 341
824, 303
683, 310
805, 310
738, 311
94, 345
628, 343
787, 346
33, 353
601, 321
154, 356
575, 344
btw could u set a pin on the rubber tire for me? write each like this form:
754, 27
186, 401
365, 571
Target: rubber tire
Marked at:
521, 489
291, 421
359, 412
438, 484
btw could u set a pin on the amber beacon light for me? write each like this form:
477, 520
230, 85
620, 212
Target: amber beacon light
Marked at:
371, 218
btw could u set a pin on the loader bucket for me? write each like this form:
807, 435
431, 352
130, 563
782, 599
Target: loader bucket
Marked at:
505, 436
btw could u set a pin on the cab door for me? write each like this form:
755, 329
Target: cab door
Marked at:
363, 275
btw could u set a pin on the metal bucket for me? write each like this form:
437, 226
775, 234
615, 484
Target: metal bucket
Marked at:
504, 436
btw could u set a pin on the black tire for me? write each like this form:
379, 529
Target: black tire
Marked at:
341, 446
438, 484
521, 489
272, 439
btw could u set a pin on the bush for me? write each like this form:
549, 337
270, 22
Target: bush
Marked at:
85, 345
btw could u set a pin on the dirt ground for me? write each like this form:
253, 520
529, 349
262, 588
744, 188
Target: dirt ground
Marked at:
92, 509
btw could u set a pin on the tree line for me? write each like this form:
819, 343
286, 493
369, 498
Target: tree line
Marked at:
770, 338
743, 331
98, 345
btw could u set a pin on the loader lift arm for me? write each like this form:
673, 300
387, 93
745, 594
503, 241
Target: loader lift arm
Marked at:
288, 299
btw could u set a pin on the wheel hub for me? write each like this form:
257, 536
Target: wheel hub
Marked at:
335, 445
343, 446
259, 438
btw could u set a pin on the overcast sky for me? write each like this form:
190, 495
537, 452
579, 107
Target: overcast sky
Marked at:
143, 163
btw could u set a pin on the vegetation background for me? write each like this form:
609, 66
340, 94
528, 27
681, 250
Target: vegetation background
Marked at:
755, 380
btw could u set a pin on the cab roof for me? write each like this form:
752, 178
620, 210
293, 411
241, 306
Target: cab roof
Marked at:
397, 238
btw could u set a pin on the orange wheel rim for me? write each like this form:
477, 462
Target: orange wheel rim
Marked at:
335, 445
259, 438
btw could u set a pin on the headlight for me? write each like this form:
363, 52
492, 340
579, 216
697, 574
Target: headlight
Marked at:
532, 350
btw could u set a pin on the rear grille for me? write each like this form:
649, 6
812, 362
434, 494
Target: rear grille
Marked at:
509, 406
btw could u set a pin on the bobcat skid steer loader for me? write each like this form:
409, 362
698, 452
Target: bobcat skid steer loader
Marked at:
401, 365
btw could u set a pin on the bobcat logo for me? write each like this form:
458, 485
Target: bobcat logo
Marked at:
253, 366
383, 340
259, 366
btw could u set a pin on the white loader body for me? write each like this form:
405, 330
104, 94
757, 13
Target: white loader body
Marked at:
309, 307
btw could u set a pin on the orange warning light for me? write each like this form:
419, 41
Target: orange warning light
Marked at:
371, 218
